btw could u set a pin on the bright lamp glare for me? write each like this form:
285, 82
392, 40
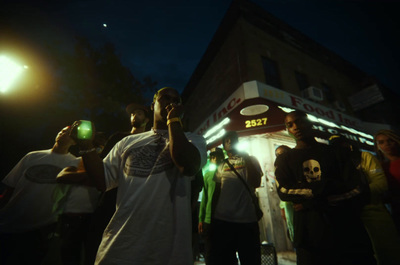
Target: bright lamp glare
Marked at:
216, 136
315, 119
285, 109
212, 167
354, 131
8, 73
312, 118
243, 146
216, 127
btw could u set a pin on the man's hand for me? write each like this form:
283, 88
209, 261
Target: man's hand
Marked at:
298, 207
93, 164
200, 227
174, 110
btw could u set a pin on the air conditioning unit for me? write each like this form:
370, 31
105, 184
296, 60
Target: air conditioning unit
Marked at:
313, 93
339, 105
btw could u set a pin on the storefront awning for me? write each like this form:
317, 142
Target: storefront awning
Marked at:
256, 108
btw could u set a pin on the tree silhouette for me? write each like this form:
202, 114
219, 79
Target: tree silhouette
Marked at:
94, 85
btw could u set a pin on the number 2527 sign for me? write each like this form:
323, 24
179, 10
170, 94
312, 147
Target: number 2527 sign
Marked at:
256, 122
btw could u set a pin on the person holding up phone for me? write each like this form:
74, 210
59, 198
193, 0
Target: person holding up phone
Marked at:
80, 201
152, 170
27, 215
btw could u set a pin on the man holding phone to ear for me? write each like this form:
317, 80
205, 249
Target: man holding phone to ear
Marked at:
152, 170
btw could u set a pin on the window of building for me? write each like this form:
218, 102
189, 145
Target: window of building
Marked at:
302, 80
271, 72
328, 93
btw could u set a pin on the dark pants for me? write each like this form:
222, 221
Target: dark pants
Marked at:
227, 238
206, 239
328, 257
337, 237
101, 217
396, 214
74, 237
26, 248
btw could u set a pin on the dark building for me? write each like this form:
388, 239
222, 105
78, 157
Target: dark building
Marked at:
254, 70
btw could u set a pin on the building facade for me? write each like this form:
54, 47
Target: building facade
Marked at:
255, 69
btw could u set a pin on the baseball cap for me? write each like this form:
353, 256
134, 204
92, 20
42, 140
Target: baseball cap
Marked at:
134, 106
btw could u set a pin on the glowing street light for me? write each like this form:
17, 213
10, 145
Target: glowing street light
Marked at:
9, 71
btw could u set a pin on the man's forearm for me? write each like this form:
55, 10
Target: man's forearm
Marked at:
95, 169
184, 154
72, 175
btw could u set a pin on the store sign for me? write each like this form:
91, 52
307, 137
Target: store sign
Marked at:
318, 110
255, 89
221, 113
296, 102
256, 122
366, 97
347, 135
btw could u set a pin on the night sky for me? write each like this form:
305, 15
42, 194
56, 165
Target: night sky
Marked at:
166, 39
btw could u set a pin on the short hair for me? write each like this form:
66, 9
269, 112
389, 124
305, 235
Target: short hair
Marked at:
337, 140
389, 133
162, 89
284, 147
218, 154
134, 106
298, 113
230, 135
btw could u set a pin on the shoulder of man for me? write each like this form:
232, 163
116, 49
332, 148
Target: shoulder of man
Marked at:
118, 136
283, 158
200, 143
194, 137
137, 137
252, 162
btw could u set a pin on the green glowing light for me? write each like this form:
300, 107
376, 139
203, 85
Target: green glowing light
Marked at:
85, 130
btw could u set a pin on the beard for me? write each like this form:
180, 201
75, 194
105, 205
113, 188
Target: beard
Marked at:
137, 123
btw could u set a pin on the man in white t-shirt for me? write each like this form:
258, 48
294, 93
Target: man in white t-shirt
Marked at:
75, 221
27, 207
234, 222
152, 170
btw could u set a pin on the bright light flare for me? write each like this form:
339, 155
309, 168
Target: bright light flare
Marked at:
216, 136
285, 109
212, 167
243, 146
9, 71
217, 127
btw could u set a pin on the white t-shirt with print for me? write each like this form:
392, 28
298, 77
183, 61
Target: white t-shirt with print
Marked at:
34, 181
152, 222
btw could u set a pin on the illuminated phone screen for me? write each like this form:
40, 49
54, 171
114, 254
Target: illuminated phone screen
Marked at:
85, 130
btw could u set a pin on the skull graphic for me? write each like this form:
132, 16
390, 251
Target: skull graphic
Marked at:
312, 170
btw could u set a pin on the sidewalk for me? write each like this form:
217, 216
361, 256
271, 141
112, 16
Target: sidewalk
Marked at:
284, 258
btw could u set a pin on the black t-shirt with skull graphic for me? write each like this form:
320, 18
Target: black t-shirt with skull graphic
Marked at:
312, 177
315, 173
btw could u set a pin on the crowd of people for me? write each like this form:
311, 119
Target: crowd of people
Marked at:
132, 199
